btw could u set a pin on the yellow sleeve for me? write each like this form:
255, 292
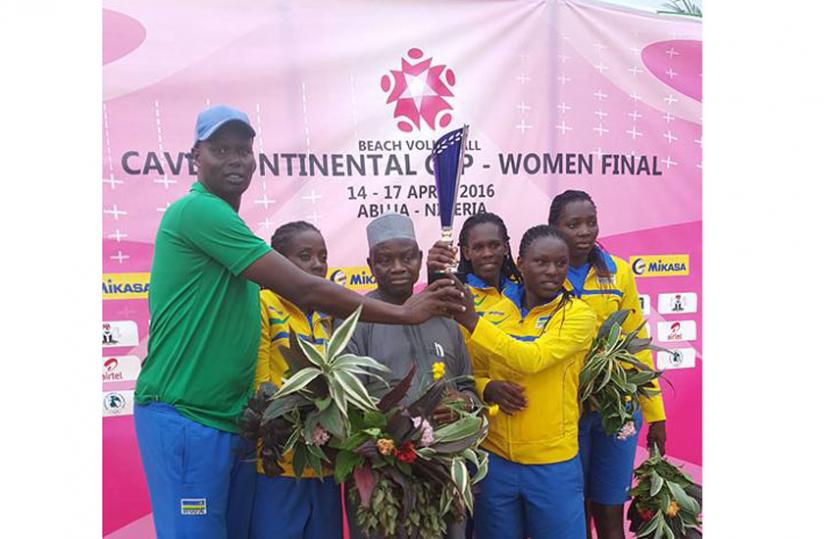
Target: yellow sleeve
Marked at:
480, 366
565, 335
480, 386
651, 408
274, 333
262, 371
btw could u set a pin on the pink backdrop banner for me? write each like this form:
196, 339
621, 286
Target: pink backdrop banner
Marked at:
347, 97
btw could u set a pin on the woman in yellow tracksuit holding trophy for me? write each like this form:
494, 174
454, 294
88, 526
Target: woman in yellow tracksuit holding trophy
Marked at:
537, 335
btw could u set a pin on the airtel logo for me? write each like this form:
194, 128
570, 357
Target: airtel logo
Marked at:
120, 368
110, 371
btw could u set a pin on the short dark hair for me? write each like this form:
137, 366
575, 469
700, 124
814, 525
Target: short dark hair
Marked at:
284, 233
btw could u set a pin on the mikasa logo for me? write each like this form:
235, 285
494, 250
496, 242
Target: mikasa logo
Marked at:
660, 265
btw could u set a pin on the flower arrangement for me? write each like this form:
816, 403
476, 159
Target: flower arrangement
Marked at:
665, 501
409, 473
313, 405
406, 473
613, 380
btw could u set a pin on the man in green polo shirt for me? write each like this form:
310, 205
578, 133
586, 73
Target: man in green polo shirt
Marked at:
203, 339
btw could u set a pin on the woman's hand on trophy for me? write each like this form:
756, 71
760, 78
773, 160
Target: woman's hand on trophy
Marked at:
468, 318
441, 256
441, 298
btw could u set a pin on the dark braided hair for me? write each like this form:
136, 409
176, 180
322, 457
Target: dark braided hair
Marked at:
546, 231
557, 208
508, 269
285, 232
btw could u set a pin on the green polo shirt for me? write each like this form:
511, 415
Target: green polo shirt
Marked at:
205, 325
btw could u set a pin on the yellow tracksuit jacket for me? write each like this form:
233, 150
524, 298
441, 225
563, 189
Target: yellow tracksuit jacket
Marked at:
543, 350
485, 295
605, 296
277, 316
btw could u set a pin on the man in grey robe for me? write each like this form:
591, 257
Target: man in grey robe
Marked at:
436, 347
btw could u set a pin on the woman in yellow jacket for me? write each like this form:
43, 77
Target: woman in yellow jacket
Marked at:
538, 335
485, 262
284, 507
606, 284
486, 265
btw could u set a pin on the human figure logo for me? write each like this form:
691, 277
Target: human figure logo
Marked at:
110, 335
677, 304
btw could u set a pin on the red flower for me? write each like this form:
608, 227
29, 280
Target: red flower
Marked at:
645, 514
406, 453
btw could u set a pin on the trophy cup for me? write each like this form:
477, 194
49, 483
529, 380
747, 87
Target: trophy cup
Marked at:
447, 165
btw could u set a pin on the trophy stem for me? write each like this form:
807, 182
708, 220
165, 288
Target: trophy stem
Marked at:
446, 236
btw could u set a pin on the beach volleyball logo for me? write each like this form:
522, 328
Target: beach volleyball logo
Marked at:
419, 91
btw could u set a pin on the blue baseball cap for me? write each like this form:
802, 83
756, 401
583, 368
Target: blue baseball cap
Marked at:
213, 118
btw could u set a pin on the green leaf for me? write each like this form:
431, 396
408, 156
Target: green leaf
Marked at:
445, 502
309, 425
297, 382
632, 360
469, 500
340, 338
681, 497
354, 390
637, 345
664, 501
659, 530
356, 371
616, 318
312, 353
612, 340
463, 427
317, 452
471, 456
650, 527
280, 406
333, 421
456, 446
355, 441
314, 462
607, 378
322, 404
351, 360
483, 467
293, 439
426, 453
460, 475
338, 395
299, 460
657, 483
374, 419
